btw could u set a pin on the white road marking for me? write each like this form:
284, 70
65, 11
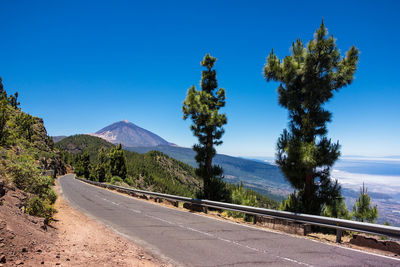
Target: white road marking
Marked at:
225, 240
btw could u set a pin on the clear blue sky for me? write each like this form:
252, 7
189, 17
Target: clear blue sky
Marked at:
82, 65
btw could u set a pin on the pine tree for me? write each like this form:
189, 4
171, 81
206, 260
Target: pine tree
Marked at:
362, 209
82, 165
203, 107
4, 115
99, 171
102, 165
117, 162
13, 100
25, 124
3, 93
308, 78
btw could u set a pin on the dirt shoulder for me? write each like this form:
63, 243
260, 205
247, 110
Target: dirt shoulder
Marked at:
72, 240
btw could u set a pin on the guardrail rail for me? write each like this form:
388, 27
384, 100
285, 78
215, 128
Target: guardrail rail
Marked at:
328, 222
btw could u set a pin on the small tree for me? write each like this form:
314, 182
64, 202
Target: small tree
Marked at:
362, 209
203, 107
308, 79
13, 100
3, 93
337, 209
82, 165
3, 114
117, 162
100, 170
25, 123
3, 121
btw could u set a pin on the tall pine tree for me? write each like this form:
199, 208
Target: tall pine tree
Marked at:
203, 107
99, 171
82, 165
117, 162
308, 78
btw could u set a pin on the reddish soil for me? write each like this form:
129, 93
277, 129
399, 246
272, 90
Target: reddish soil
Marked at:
20, 234
72, 240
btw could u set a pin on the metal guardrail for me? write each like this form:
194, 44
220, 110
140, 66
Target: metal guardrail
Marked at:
334, 223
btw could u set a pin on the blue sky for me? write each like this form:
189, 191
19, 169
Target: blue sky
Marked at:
82, 65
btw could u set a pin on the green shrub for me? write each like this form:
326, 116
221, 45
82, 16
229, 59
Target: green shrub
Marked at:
24, 171
242, 196
39, 207
129, 181
337, 209
116, 179
51, 196
27, 177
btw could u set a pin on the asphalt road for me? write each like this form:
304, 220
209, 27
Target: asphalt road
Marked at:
189, 239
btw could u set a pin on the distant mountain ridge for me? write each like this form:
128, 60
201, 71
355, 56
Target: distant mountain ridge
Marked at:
130, 135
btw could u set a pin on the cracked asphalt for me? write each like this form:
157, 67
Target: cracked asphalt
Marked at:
186, 239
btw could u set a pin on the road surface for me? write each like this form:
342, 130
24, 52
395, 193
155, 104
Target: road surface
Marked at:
188, 239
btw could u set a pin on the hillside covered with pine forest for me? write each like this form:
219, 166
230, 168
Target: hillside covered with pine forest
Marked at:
96, 159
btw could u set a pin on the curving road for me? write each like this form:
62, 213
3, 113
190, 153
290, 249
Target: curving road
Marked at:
188, 239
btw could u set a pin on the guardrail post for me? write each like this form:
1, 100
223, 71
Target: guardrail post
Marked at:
177, 204
255, 219
205, 210
339, 235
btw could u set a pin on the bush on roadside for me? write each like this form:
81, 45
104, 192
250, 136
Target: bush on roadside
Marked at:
129, 181
36, 206
27, 177
116, 179
23, 171
241, 196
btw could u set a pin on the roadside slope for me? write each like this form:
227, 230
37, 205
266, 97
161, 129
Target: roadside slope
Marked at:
81, 241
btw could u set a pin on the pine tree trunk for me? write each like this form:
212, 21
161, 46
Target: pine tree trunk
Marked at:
208, 165
308, 188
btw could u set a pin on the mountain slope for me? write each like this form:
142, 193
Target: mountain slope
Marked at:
152, 171
130, 135
261, 177
80, 143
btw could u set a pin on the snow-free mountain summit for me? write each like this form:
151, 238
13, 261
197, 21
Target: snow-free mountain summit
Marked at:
130, 135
